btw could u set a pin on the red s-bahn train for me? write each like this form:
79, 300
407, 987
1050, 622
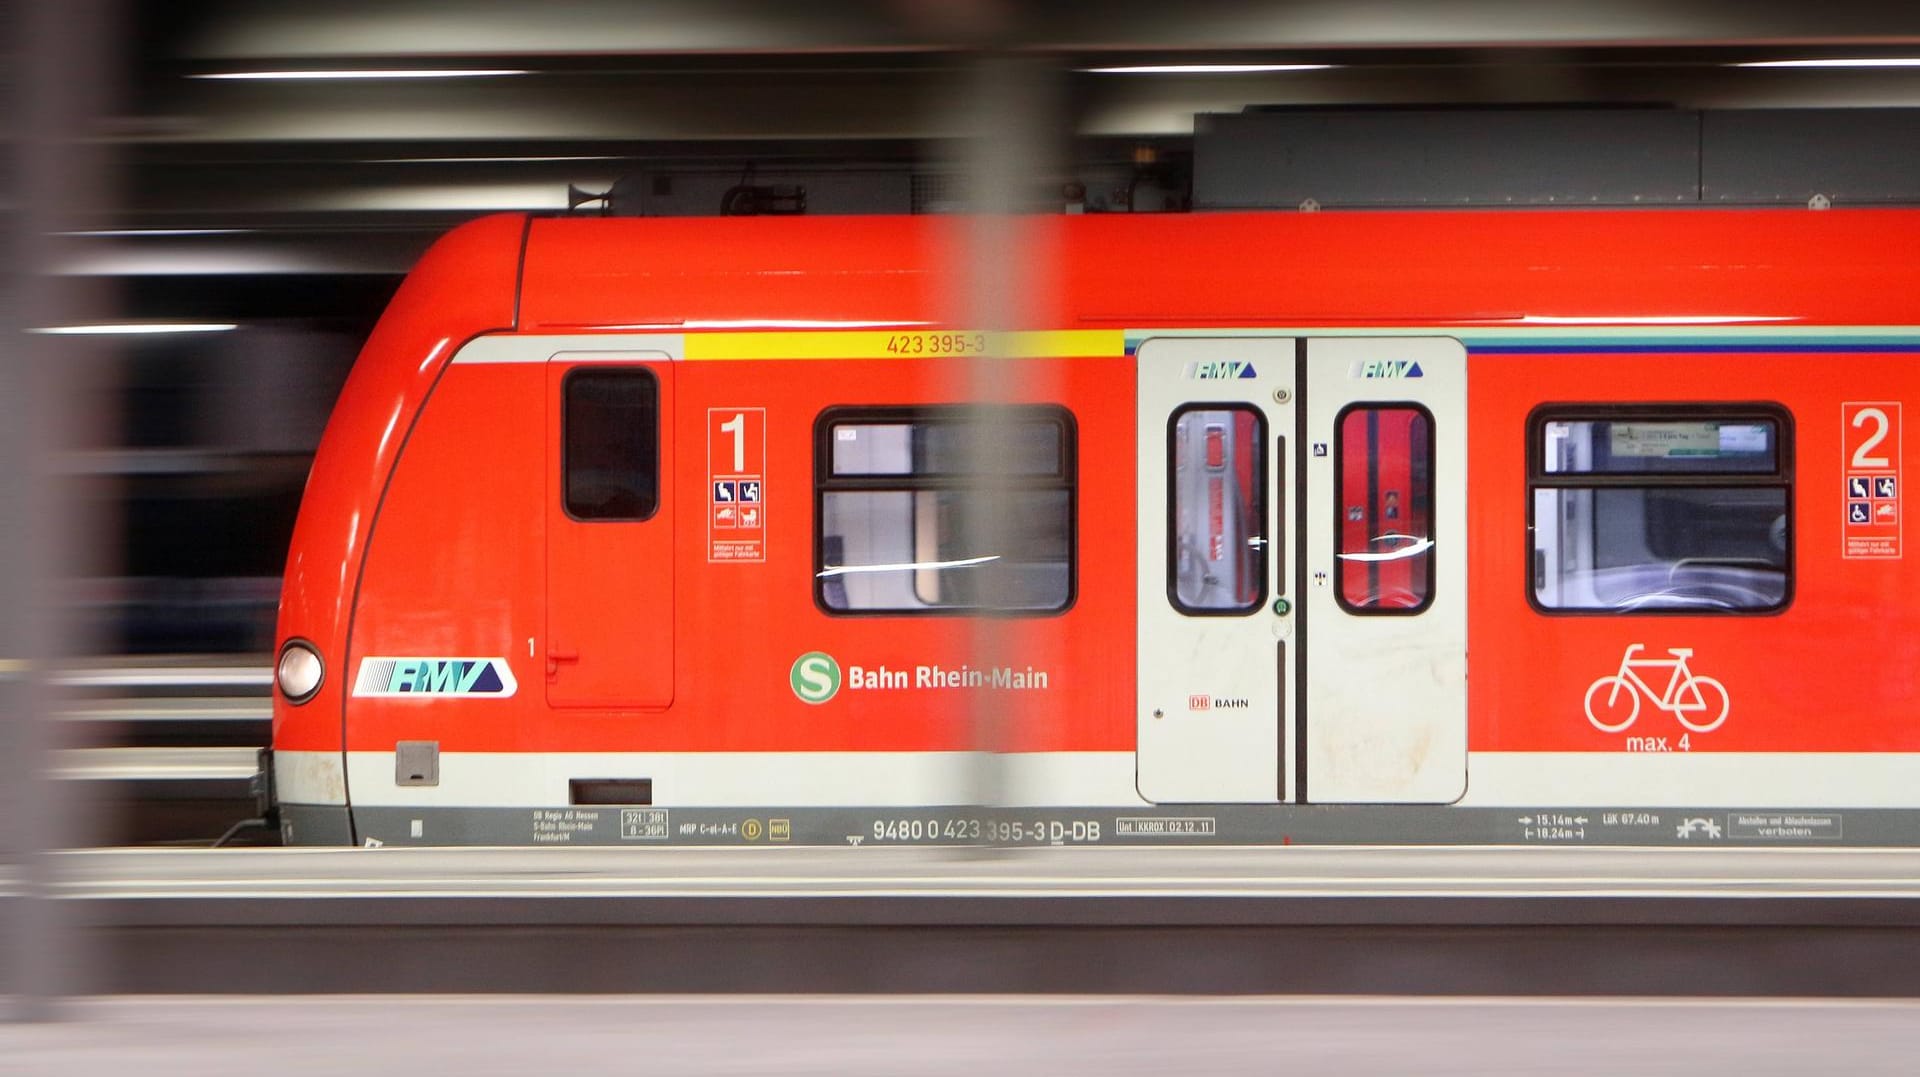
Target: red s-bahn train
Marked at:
1444, 526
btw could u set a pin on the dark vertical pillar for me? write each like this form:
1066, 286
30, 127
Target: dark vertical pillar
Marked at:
60, 62
1012, 139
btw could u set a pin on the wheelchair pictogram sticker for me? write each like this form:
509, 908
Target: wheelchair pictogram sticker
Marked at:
1872, 456
1697, 702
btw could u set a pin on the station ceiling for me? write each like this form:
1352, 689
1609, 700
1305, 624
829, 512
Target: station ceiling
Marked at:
343, 178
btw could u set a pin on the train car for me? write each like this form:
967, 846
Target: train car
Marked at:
1411, 527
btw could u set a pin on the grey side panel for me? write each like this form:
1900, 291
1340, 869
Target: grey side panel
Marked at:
1441, 157
1789, 155
1191, 824
315, 824
1281, 158
696, 193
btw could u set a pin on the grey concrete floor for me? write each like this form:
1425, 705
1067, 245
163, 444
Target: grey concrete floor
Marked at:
965, 1036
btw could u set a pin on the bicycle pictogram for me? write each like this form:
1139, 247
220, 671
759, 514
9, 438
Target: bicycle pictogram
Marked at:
1700, 703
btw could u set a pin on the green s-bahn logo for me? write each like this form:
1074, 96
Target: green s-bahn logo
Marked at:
815, 677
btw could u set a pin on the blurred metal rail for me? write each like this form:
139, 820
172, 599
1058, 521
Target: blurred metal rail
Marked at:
217, 674
1092, 885
240, 719
1293, 920
236, 765
164, 749
168, 676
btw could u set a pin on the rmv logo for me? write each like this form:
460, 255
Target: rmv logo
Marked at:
1221, 370
815, 677
454, 675
434, 677
1386, 368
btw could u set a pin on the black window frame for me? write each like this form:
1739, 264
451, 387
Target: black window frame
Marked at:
1433, 507
1782, 477
566, 444
1261, 486
1066, 477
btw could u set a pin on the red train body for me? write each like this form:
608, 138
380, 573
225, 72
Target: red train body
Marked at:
1534, 526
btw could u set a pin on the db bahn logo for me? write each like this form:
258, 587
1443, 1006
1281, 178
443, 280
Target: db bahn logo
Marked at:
815, 677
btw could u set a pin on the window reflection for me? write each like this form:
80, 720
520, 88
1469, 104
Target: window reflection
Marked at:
1384, 552
1637, 514
1218, 479
899, 503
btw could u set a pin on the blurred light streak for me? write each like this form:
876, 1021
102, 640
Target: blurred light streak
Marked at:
134, 329
1419, 546
441, 197
1201, 69
902, 566
1652, 319
1850, 61
175, 260
425, 365
494, 160
140, 233
376, 31
340, 75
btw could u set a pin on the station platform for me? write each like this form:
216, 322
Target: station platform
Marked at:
1829, 922
962, 1036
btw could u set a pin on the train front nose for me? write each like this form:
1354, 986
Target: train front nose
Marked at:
303, 778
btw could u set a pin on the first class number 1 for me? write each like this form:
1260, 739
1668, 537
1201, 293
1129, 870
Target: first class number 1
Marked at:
937, 343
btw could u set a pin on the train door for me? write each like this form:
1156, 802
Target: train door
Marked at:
1216, 663
1385, 605
609, 625
1302, 570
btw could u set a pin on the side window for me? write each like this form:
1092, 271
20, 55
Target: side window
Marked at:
1383, 538
900, 507
1661, 509
1217, 478
610, 426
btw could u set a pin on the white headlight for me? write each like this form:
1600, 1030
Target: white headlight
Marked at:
300, 671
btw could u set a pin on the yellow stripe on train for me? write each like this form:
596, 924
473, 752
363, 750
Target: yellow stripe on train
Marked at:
912, 344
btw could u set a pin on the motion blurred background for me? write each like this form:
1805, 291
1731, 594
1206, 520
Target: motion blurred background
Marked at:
267, 170
209, 202
205, 204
